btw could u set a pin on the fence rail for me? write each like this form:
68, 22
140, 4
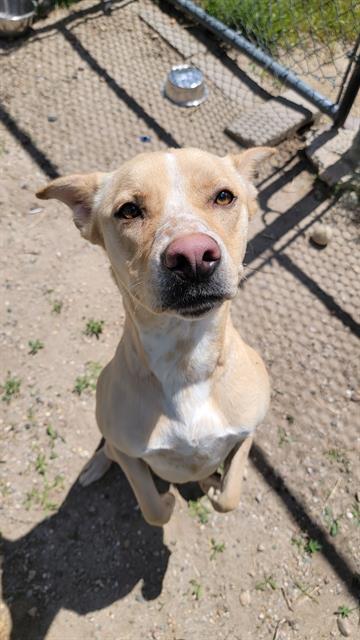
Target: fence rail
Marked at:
326, 47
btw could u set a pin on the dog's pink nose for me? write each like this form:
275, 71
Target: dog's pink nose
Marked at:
193, 257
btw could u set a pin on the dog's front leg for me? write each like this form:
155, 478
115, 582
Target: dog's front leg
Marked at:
227, 496
156, 508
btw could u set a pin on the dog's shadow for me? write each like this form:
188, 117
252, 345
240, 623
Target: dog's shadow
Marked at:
89, 554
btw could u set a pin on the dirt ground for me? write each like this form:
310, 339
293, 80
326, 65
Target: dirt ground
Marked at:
81, 563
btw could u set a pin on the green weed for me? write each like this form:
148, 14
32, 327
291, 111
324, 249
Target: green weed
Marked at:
57, 305
268, 582
41, 464
43, 497
89, 379
312, 546
216, 548
344, 612
52, 433
35, 346
11, 388
306, 545
340, 457
94, 328
196, 589
198, 510
332, 523
356, 513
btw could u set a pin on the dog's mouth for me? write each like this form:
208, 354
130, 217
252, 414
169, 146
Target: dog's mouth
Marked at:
199, 308
192, 300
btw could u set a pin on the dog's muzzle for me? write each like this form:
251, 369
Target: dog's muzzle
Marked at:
190, 283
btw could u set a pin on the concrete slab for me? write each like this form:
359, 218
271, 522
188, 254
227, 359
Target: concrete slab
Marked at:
332, 154
271, 123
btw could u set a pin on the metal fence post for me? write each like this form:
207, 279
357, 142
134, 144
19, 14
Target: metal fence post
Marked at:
349, 95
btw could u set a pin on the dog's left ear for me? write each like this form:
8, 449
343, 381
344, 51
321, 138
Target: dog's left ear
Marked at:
77, 192
247, 161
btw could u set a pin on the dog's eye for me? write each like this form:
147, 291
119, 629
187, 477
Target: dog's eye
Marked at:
128, 211
224, 197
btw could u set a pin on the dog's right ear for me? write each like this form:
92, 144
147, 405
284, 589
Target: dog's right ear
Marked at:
78, 192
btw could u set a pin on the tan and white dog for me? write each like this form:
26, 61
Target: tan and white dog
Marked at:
183, 393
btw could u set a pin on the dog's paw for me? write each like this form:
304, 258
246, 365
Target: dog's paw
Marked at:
220, 501
95, 468
163, 513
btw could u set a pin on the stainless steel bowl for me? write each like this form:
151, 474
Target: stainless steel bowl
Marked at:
15, 16
185, 86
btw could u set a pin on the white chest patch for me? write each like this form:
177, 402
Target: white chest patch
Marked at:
193, 439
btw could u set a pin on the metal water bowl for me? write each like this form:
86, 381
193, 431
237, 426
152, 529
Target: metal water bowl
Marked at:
16, 16
185, 86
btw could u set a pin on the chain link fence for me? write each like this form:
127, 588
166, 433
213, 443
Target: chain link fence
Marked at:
310, 45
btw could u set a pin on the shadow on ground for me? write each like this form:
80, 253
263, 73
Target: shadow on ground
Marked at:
89, 554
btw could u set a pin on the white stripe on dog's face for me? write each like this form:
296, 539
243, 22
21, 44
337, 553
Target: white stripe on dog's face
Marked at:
179, 216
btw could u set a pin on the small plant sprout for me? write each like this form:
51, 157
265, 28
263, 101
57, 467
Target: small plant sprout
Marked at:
57, 305
216, 548
50, 431
11, 388
344, 612
196, 589
43, 497
53, 435
331, 522
89, 379
312, 546
268, 583
94, 328
198, 510
339, 457
355, 511
41, 464
35, 346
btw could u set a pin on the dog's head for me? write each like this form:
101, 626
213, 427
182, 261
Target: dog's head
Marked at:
174, 224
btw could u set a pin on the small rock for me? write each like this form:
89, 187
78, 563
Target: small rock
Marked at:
245, 598
294, 624
32, 612
344, 626
31, 575
260, 547
321, 234
51, 117
34, 210
357, 496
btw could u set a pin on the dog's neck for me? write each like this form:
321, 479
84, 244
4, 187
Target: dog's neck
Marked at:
175, 350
